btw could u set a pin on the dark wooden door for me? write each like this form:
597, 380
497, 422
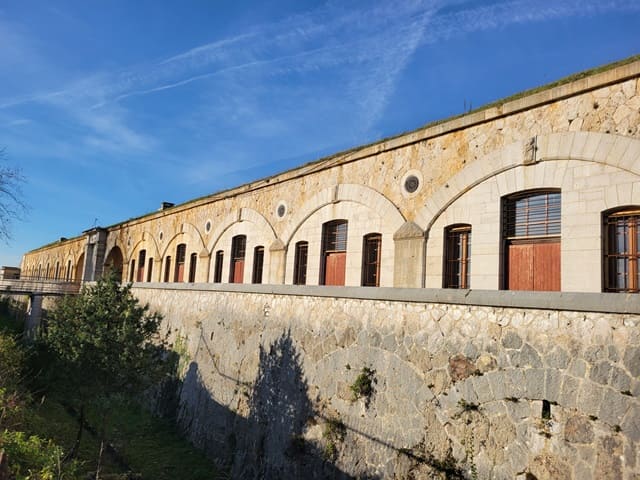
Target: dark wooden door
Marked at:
335, 268
534, 266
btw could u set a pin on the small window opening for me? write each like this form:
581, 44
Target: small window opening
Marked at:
546, 410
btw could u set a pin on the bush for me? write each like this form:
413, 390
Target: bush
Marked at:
31, 458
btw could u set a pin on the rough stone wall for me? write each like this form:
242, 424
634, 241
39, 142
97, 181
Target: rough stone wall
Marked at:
269, 387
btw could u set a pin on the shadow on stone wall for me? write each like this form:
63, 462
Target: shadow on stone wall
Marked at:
269, 443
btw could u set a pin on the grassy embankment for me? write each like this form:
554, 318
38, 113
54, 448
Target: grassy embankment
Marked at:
141, 446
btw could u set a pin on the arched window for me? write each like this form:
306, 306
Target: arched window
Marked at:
141, 261
167, 268
334, 253
217, 272
132, 271
457, 256
238, 250
181, 253
531, 240
300, 263
193, 260
621, 241
258, 262
150, 270
371, 260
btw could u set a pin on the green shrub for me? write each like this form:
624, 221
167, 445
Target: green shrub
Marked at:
31, 458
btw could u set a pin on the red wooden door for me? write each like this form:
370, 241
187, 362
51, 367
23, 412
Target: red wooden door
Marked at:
180, 272
520, 273
335, 264
546, 267
534, 266
238, 271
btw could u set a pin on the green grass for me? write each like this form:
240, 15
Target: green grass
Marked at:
143, 444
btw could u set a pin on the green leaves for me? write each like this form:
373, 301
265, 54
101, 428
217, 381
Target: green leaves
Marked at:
105, 342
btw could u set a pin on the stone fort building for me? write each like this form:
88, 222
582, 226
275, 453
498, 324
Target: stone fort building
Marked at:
467, 221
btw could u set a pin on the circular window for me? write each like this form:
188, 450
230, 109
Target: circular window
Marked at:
281, 210
411, 183
207, 226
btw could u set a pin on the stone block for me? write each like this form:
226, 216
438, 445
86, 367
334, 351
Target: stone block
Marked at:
552, 385
590, 397
578, 429
535, 383
619, 380
600, 372
632, 360
497, 383
482, 388
631, 423
569, 393
514, 383
577, 368
614, 407
526, 357
511, 340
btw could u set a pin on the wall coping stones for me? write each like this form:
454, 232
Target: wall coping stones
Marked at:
625, 303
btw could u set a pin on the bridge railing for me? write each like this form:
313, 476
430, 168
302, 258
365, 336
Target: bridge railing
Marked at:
44, 286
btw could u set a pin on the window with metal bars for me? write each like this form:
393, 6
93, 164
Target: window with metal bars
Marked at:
217, 271
300, 263
258, 261
532, 214
531, 228
181, 253
141, 259
167, 268
371, 245
334, 236
193, 261
457, 256
238, 251
150, 270
621, 238
334, 249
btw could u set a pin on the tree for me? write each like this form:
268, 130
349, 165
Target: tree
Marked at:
11, 205
104, 345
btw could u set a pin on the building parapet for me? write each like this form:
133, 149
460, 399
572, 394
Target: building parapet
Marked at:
567, 301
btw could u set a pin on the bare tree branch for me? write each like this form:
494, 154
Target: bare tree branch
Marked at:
12, 206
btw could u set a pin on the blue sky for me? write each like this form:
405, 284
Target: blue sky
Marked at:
111, 107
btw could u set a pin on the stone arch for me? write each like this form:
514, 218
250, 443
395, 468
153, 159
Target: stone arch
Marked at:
79, 269
186, 229
262, 234
243, 215
360, 194
148, 241
607, 149
114, 261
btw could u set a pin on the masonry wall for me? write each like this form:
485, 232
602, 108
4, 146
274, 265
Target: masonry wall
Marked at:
268, 374
582, 137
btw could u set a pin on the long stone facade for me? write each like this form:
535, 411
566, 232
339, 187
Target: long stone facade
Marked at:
502, 340
579, 142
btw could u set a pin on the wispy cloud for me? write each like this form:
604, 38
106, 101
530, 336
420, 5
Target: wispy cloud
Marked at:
364, 49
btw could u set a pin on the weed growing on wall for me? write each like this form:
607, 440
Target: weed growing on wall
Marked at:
363, 386
334, 433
